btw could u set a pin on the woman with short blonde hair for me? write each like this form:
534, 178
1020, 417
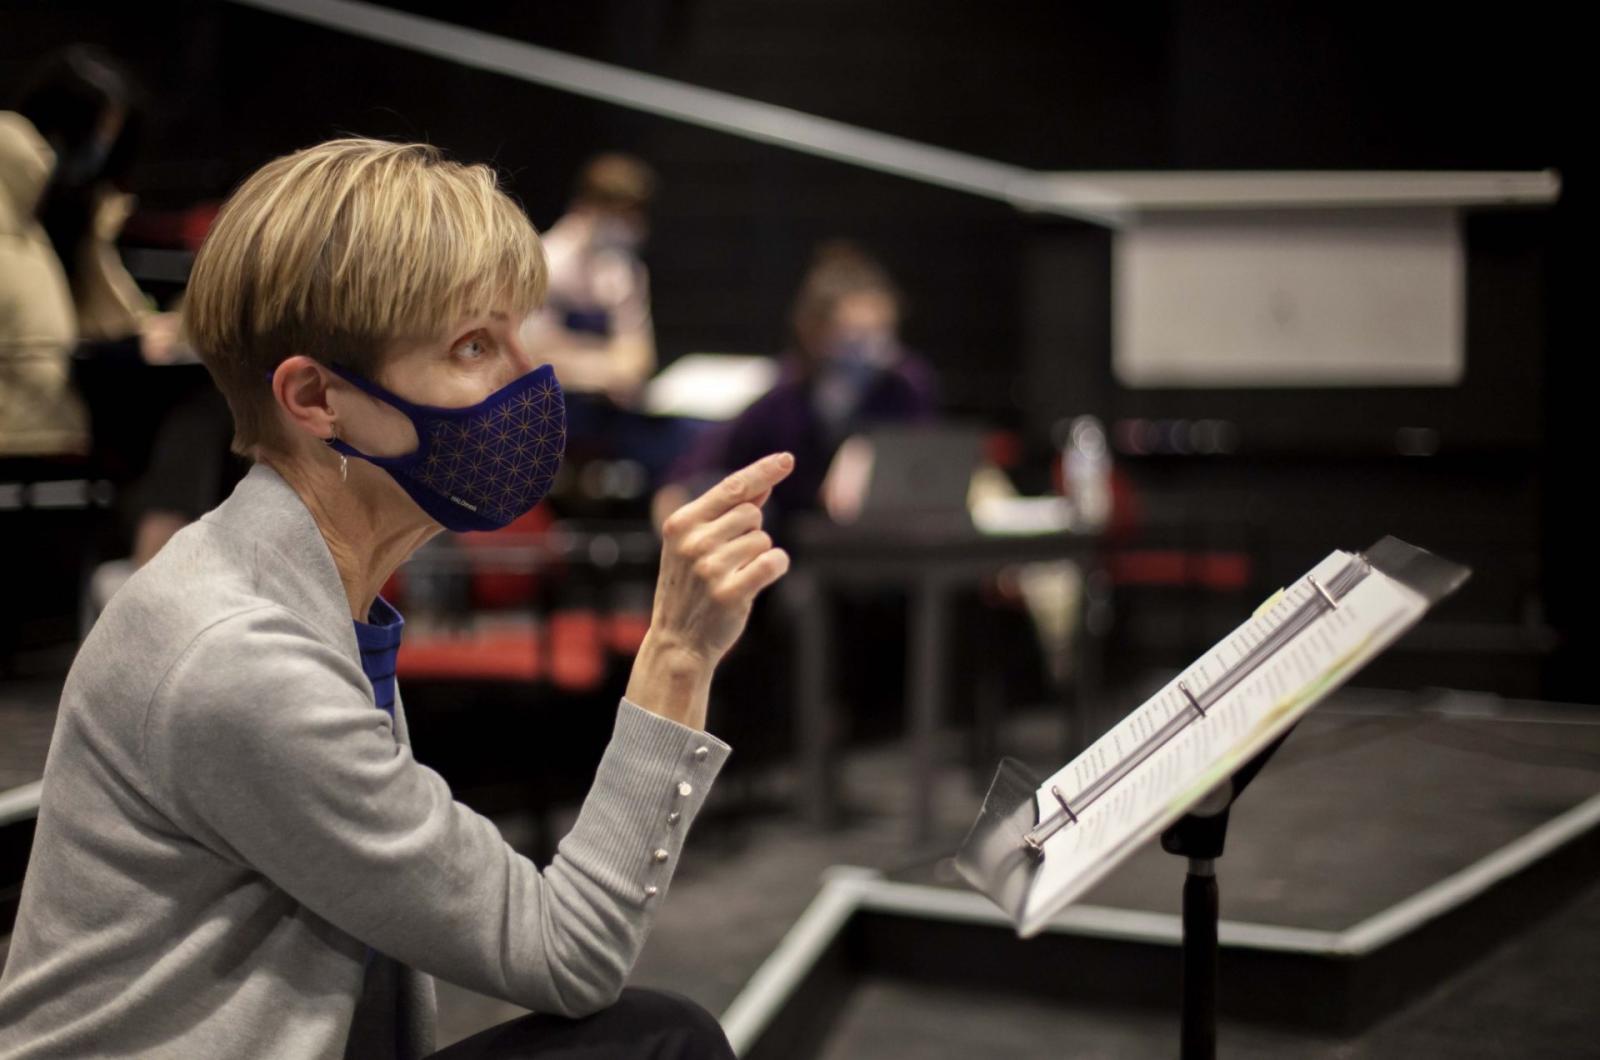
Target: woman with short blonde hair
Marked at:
236, 853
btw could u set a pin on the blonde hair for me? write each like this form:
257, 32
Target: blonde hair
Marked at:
341, 250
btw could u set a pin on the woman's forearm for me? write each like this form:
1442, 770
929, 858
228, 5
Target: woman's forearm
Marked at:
670, 680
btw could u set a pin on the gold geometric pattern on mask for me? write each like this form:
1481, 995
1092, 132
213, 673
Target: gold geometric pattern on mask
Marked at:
498, 460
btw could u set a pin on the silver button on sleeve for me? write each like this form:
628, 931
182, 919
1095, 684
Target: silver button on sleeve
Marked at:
674, 817
660, 854
701, 752
651, 890
685, 789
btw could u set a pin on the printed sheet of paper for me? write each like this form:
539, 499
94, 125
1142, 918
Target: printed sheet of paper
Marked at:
1236, 727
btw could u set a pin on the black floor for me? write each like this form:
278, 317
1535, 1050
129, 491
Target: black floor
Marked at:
27, 718
1537, 996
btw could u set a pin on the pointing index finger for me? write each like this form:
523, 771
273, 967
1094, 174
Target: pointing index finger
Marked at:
764, 474
749, 484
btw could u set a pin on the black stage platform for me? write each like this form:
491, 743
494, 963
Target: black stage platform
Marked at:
1395, 848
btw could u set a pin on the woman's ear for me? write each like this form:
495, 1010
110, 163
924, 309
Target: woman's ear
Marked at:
302, 389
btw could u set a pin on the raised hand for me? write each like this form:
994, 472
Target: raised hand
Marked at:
715, 559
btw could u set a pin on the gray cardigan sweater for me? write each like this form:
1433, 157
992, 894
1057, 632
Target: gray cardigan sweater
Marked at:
228, 823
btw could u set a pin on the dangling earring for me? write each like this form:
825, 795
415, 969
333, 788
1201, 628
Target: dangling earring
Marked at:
344, 461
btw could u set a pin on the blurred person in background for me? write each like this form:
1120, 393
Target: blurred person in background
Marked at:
69, 148
40, 411
61, 151
595, 327
846, 372
597, 330
92, 116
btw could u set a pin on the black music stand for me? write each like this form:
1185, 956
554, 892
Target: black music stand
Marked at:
1002, 853
1199, 836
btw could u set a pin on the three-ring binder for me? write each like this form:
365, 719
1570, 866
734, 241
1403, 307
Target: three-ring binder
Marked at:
1321, 601
1003, 855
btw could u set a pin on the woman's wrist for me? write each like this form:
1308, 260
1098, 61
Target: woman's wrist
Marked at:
671, 679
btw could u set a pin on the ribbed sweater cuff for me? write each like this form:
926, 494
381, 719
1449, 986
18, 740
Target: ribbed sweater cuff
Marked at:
650, 785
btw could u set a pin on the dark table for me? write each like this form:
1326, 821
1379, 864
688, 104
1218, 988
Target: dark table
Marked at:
929, 558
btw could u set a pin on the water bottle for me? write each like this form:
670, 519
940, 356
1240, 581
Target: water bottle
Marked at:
1087, 470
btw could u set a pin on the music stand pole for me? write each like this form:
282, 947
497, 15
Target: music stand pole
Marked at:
1200, 836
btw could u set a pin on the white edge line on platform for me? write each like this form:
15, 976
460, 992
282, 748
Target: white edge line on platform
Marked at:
800, 949
1130, 925
20, 803
1431, 902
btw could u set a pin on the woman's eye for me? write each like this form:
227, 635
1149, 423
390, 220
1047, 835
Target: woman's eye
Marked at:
472, 348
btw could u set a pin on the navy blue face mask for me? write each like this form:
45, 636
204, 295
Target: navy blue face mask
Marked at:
479, 467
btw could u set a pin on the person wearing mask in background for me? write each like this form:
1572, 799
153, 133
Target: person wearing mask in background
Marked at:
847, 371
595, 327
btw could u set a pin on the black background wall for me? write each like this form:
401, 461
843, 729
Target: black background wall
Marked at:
1011, 309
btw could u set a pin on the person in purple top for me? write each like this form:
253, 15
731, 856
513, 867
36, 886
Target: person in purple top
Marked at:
846, 371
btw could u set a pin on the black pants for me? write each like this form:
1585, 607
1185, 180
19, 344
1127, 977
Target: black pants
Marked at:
642, 1025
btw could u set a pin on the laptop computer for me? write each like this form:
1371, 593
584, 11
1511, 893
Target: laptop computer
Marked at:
921, 473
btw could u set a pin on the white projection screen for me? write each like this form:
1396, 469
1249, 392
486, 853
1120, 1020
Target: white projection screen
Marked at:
1290, 298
